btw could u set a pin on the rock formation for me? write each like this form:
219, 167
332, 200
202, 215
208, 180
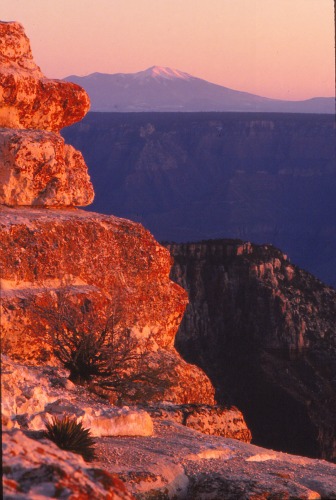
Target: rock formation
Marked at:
176, 461
39, 469
32, 395
29, 100
264, 331
214, 420
180, 463
36, 167
100, 258
46, 246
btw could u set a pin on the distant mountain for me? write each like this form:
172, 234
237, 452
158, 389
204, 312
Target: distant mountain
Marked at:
166, 89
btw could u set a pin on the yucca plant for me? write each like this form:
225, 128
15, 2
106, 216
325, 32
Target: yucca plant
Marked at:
70, 435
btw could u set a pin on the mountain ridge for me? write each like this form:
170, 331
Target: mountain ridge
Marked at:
160, 88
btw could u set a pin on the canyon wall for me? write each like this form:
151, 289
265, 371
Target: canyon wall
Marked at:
264, 332
261, 177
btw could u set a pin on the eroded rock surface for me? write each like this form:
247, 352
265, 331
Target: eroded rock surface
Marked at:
103, 257
181, 463
98, 254
214, 420
27, 98
174, 461
31, 396
37, 168
39, 469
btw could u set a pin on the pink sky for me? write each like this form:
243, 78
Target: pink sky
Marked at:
274, 48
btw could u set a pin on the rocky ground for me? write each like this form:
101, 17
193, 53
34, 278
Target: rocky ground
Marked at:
155, 451
177, 462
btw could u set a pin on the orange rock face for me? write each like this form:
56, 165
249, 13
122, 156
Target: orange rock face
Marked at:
102, 259
40, 247
27, 98
37, 168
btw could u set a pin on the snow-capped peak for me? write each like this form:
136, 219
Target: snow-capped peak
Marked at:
163, 72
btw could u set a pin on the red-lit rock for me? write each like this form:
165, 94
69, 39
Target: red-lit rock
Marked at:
214, 420
27, 98
37, 168
103, 257
39, 469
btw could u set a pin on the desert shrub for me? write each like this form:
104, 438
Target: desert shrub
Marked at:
98, 351
70, 435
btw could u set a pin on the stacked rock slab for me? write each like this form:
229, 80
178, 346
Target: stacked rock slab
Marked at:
36, 167
45, 241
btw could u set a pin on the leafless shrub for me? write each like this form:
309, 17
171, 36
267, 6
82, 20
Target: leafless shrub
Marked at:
99, 352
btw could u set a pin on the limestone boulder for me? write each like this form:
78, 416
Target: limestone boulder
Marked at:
37, 168
218, 421
15, 51
103, 422
27, 98
190, 385
27, 391
118, 422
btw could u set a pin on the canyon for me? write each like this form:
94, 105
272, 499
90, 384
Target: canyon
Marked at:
176, 445
261, 177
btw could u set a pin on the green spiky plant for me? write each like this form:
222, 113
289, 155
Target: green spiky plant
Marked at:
70, 435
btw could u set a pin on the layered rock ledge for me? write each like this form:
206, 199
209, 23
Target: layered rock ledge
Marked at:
101, 258
36, 168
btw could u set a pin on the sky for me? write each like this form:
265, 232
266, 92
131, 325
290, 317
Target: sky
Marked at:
282, 49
